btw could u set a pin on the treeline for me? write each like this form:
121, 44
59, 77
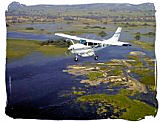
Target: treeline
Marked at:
56, 42
138, 35
33, 19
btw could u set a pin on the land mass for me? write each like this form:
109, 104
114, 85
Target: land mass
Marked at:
134, 76
17, 48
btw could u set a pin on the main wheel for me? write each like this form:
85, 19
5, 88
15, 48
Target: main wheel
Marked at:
95, 57
76, 59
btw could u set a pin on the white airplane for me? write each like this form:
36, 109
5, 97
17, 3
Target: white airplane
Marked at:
87, 47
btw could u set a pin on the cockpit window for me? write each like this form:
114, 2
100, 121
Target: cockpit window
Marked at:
83, 42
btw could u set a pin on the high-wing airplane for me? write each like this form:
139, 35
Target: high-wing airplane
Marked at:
87, 47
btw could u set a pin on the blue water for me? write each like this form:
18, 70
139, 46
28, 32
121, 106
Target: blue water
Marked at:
125, 36
35, 76
34, 72
37, 80
50, 27
29, 36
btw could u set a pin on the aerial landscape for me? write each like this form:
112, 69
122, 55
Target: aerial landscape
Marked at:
44, 82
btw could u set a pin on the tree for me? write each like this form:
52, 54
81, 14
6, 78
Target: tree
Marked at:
138, 36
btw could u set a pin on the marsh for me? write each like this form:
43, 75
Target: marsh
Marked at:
42, 82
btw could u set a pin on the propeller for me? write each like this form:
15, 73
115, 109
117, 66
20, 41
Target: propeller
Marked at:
68, 53
70, 40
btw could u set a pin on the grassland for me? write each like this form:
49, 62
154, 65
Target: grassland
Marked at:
118, 73
146, 75
150, 34
134, 109
144, 45
52, 50
135, 24
138, 70
18, 28
94, 75
17, 48
144, 69
97, 20
76, 28
81, 28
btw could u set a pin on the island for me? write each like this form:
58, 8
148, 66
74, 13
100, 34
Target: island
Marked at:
133, 76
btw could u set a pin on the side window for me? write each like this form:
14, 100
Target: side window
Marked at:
83, 42
90, 44
95, 44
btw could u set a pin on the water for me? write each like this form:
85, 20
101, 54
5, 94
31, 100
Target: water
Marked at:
36, 84
125, 35
37, 80
50, 27
34, 72
29, 36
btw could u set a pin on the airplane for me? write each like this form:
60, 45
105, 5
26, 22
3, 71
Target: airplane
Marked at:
87, 47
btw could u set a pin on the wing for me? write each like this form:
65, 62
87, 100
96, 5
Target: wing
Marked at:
77, 38
112, 41
69, 36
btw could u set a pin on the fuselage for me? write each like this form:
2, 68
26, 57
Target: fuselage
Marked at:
87, 47
81, 50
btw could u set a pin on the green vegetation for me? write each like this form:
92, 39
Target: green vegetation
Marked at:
137, 36
52, 50
42, 29
105, 22
94, 75
137, 61
144, 45
146, 75
102, 34
17, 48
117, 71
74, 32
135, 24
78, 93
150, 62
29, 28
141, 12
135, 109
88, 19
94, 27
57, 43
149, 34
81, 29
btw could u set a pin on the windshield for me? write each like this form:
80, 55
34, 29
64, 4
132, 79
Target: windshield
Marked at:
83, 42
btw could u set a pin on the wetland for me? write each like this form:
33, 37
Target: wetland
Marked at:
46, 80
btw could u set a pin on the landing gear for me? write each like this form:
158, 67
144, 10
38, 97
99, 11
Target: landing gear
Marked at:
76, 58
95, 57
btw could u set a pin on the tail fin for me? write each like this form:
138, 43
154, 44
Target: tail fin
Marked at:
117, 34
115, 37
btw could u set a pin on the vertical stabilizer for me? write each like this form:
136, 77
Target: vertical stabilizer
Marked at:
115, 37
117, 34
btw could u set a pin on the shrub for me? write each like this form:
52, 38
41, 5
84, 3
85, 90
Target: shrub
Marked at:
29, 28
102, 34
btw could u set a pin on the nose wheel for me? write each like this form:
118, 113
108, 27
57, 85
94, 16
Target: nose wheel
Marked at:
76, 58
